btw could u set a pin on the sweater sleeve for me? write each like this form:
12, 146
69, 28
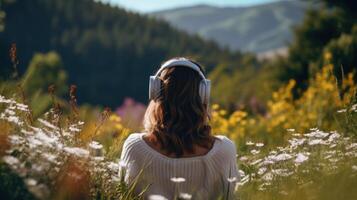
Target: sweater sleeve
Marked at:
127, 164
231, 175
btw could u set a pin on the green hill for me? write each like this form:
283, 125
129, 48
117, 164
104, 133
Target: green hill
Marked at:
108, 52
255, 28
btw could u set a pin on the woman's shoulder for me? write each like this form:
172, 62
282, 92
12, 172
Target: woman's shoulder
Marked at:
132, 140
225, 141
134, 136
226, 146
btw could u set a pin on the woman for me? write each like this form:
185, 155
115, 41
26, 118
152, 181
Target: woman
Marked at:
178, 156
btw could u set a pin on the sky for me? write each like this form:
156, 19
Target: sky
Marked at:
145, 6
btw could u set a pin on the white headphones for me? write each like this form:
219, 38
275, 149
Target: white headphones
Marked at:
155, 81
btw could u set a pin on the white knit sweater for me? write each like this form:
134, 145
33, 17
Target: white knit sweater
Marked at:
209, 176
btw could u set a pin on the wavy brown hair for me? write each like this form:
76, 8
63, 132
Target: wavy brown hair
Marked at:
177, 117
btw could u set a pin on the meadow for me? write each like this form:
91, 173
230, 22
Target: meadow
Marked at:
303, 147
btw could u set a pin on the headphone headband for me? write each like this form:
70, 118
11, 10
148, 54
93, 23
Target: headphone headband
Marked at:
155, 81
180, 62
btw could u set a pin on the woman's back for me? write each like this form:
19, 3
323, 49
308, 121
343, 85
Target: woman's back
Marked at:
203, 177
177, 123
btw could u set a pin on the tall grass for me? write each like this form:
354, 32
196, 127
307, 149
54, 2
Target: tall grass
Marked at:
52, 161
303, 148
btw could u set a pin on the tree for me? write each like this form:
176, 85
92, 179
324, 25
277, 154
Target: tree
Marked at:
327, 26
45, 69
341, 51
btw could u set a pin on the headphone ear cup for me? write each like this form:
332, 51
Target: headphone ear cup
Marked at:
154, 87
204, 90
208, 90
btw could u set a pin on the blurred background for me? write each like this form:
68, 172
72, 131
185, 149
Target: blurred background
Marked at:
109, 48
74, 80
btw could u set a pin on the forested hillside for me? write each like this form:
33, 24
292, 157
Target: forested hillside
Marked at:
108, 52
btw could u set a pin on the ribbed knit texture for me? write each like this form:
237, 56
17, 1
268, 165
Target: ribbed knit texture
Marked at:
206, 177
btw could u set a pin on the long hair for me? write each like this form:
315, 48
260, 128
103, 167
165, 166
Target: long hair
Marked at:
177, 117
